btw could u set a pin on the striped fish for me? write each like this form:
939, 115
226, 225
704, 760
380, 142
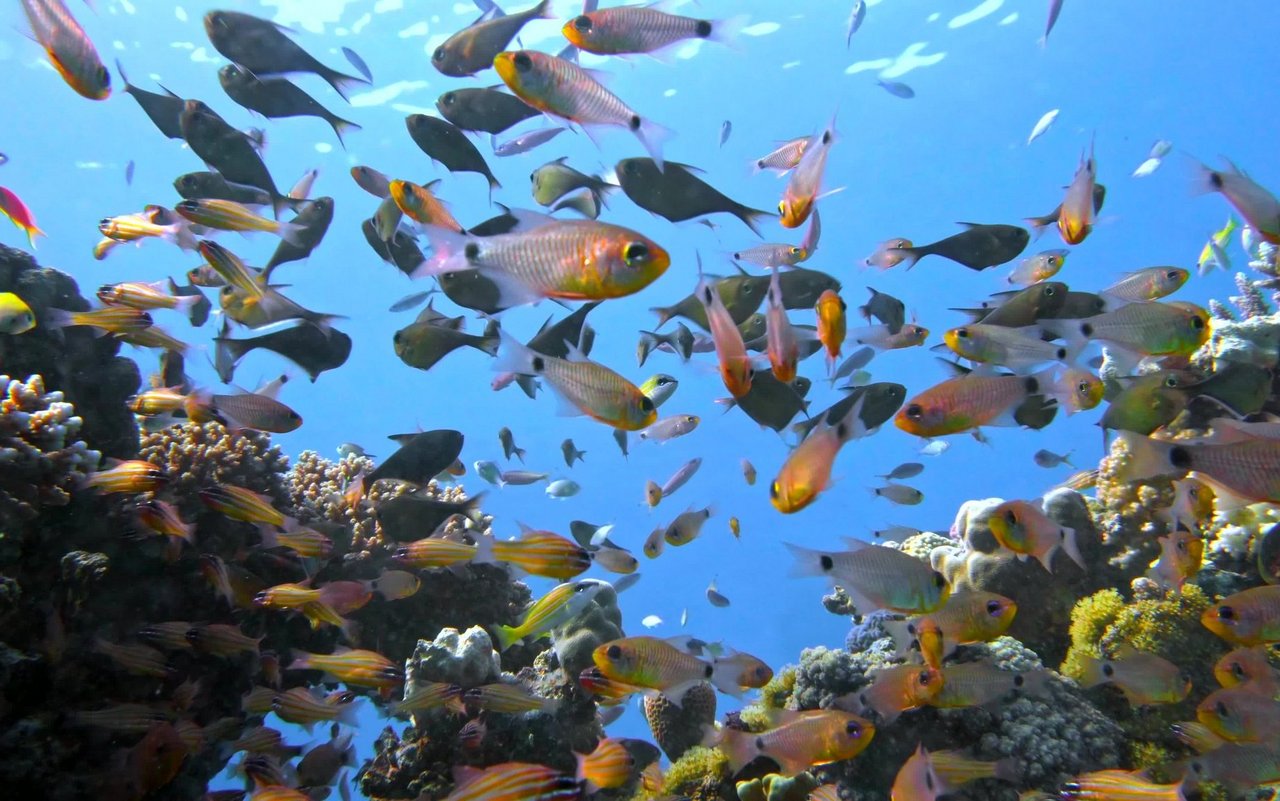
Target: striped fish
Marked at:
357, 667
509, 699
542, 553
300, 706
608, 766
562, 603
241, 504
516, 781
136, 475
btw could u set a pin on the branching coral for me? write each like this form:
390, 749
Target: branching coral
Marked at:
196, 455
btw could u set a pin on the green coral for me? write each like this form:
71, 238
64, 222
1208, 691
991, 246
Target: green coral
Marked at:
774, 695
699, 774
774, 787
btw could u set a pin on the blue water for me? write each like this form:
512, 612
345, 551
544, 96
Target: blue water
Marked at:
1126, 73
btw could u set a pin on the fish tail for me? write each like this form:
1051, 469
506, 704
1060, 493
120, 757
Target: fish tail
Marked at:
123, 76
515, 357
1146, 457
652, 136
1072, 546
447, 252
738, 747
341, 82
665, 313
1205, 180
726, 31
751, 217
341, 126
291, 232
505, 636
489, 344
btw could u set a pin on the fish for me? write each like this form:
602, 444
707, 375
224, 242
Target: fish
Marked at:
771, 403
1144, 678
783, 344
1076, 217
714, 597
20, 215
487, 110
228, 151
740, 294
785, 157
1006, 347
1023, 528
1148, 284
658, 667
506, 699
1025, 307
410, 301
1055, 8
569, 259
876, 577
422, 345
897, 89
475, 47
277, 98
16, 316
211, 185
726, 128
804, 187
521, 478
1258, 206
831, 325
310, 226
659, 388
977, 247
1244, 666
542, 553
1241, 714
1040, 223
1037, 268
630, 30
807, 471
967, 617
356, 668
1147, 328
225, 215
889, 253
561, 89
680, 341
687, 525
555, 179
563, 488
899, 494
1047, 458
420, 204
679, 478
668, 428
509, 447
748, 472
1042, 125
900, 688
445, 143
516, 781
857, 13
68, 48
887, 309
261, 47
674, 192
772, 255
735, 365
803, 740
420, 458
609, 766
1249, 617
162, 109
904, 470
112, 319
526, 142
969, 402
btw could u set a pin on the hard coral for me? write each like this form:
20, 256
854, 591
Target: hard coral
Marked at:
702, 774
196, 455
41, 458
676, 729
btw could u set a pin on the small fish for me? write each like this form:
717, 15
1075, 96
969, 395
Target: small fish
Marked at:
521, 478
651, 621
475, 47
445, 143
978, 247
735, 528
1250, 617
1042, 125
411, 301
508, 442
904, 470
571, 452
802, 741
1047, 458
1025, 529
1259, 207
226, 215
563, 488
785, 157
1037, 268
1055, 8
1007, 347
357, 668
889, 253
681, 342
668, 428
132, 476
772, 255
201, 185
735, 365
876, 577
968, 402
1151, 283
726, 128
713, 595
68, 47
807, 471
507, 699
526, 141
12, 207
163, 518
831, 325
679, 478
1246, 665
899, 494
1075, 220
748, 472
897, 89
805, 184
516, 781
354, 59
261, 47
1241, 714
16, 316
659, 667
654, 544
1144, 678
642, 29
687, 526
672, 191
857, 14
277, 98
1181, 553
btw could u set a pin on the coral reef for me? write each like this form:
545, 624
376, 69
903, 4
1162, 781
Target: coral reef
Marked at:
676, 729
85, 368
196, 455
467, 659
777, 788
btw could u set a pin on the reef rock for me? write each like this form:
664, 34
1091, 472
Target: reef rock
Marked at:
467, 659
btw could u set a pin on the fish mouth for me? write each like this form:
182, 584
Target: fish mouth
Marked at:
504, 65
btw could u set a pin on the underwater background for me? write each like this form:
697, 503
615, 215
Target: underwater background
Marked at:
1123, 75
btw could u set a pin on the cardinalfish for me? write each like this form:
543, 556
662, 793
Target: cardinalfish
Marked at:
1181, 554
231, 269
561, 88
1250, 617
971, 684
122, 718
161, 517
227, 215
12, 207
562, 603
305, 542
111, 320
1145, 679
163, 400
68, 48
170, 635
639, 29
876, 577
420, 205
807, 471
1241, 463
255, 411
1025, 529
832, 325
591, 388
1151, 283
221, 639
358, 668
1119, 785
661, 668
516, 781
153, 337
1175, 328
1242, 714
785, 157
244, 505
608, 692
607, 767
969, 402
735, 364
783, 346
435, 552
542, 553
567, 259
140, 660
801, 741
970, 616
1259, 207
137, 295
1077, 390
1076, 218
1249, 665
300, 705
805, 184
901, 688
427, 695
509, 699
133, 476
296, 596
149, 224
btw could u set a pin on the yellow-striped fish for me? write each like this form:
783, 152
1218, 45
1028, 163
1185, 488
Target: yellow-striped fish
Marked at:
608, 692
68, 48
434, 552
231, 269
241, 504
137, 475
227, 215
510, 699
154, 337
139, 295
1119, 785
140, 660
222, 639
424, 696
608, 766
515, 781
562, 603
112, 319
300, 705
162, 518
543, 553
162, 400
358, 667
876, 577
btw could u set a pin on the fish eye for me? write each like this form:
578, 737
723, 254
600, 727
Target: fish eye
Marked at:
583, 23
1011, 517
688, 418
775, 489
1197, 323
1050, 292
939, 581
853, 729
1226, 613
994, 607
1222, 710
614, 652
1237, 670
1083, 387
795, 251
915, 411
634, 252
448, 98
662, 382
1172, 274
782, 207
646, 404
104, 77
439, 55
963, 333
523, 62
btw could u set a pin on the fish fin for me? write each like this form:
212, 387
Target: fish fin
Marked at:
341, 126
908, 255
653, 136
727, 31
448, 252
1072, 547
292, 233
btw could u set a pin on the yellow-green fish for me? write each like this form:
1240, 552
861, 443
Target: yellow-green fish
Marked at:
16, 316
562, 603
1144, 678
660, 667
1249, 617
1175, 328
227, 215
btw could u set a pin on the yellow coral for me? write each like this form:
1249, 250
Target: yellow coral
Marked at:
1168, 627
694, 773
1090, 619
774, 695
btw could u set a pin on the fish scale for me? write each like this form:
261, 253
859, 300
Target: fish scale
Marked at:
1156, 329
578, 97
641, 29
593, 386
1250, 468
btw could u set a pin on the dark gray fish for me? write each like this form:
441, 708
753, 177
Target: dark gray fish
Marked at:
471, 290
473, 48
526, 142
420, 459
258, 412
883, 399
770, 402
555, 179
885, 308
1036, 412
228, 151
741, 294
977, 247
311, 347
583, 532
276, 98
677, 194
128, 173
1038, 301
584, 202
410, 301
897, 89
410, 517
1077, 306
1055, 8
801, 287
1038, 224
261, 47
1047, 458
571, 453
402, 250
726, 128
620, 437
551, 338
173, 371
422, 345
212, 186
501, 224
199, 311
509, 447
680, 341
314, 221
444, 142
487, 110
162, 109
904, 470
353, 58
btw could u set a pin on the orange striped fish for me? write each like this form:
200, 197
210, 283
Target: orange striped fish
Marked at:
427, 695
432, 552
222, 639
516, 781
608, 766
1119, 785
608, 692
241, 504
299, 705
112, 319
140, 660
509, 699
305, 542
359, 668
161, 400
162, 518
136, 475
542, 553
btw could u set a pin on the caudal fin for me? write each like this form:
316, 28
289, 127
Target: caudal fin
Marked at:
652, 136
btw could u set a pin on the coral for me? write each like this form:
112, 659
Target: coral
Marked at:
676, 729
84, 367
197, 455
701, 775
599, 623
467, 659
41, 459
773, 787
1044, 599
825, 674
922, 544
775, 693
1253, 340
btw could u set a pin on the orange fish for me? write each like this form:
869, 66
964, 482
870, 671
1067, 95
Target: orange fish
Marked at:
735, 364
515, 781
832, 326
807, 471
899, 688
802, 740
607, 767
1249, 617
133, 476
783, 347
358, 668
968, 402
68, 48
805, 184
1075, 221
